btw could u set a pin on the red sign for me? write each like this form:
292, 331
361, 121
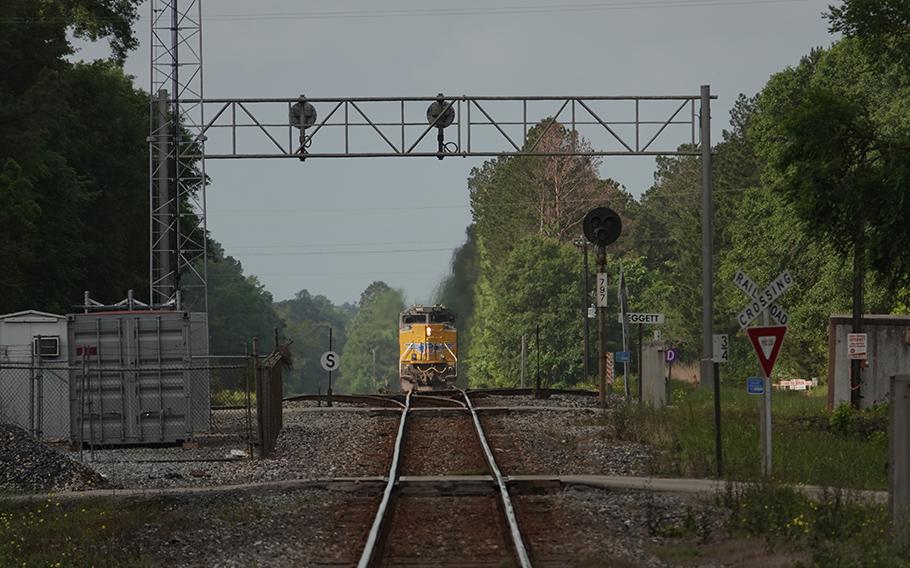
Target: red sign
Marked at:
767, 341
856, 345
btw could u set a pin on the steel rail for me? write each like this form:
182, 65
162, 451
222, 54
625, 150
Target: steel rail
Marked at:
520, 550
373, 538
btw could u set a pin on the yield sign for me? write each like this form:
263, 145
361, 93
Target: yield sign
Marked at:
767, 341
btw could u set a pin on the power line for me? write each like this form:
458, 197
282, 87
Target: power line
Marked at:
366, 273
228, 249
342, 209
504, 203
448, 12
344, 252
494, 11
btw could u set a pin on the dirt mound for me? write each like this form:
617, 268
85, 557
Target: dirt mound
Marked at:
29, 466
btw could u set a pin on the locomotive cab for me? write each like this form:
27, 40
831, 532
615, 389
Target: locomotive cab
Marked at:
428, 348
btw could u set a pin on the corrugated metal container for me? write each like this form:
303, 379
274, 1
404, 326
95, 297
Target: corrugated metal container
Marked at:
134, 380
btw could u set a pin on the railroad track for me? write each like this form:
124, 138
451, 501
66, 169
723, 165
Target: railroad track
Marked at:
469, 526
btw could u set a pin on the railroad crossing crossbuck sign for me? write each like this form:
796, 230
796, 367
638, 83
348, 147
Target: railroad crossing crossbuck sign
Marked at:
330, 361
764, 300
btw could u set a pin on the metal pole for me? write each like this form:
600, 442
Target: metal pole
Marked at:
537, 348
718, 448
260, 401
707, 232
524, 356
602, 333
163, 230
766, 436
175, 138
856, 369
31, 393
329, 391
585, 301
639, 363
39, 380
82, 401
249, 403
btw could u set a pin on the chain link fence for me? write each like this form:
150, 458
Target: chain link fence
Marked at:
36, 399
232, 403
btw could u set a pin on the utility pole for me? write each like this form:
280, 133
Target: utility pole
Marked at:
707, 243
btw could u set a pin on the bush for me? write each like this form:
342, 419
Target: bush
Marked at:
848, 421
838, 531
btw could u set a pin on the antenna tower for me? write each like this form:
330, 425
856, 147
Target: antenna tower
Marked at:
177, 228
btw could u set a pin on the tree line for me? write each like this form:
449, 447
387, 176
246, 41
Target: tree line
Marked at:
811, 175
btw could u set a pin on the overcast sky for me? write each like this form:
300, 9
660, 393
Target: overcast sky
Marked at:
265, 212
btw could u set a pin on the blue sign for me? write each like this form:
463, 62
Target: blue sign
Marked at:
671, 355
755, 385
623, 356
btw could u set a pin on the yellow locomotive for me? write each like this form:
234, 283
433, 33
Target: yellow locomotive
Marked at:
428, 348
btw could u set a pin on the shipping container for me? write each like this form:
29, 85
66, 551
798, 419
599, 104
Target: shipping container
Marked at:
134, 379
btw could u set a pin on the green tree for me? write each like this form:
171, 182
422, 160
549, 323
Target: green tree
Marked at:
18, 233
307, 319
457, 292
373, 336
77, 133
536, 285
883, 27
239, 309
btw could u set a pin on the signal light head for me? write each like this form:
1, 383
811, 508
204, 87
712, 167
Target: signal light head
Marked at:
602, 226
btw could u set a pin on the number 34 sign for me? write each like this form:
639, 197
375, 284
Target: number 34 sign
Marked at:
721, 348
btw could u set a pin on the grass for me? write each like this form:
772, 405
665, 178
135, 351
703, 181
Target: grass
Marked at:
767, 524
811, 445
55, 534
232, 397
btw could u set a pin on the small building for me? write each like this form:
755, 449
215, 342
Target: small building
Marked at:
888, 354
34, 379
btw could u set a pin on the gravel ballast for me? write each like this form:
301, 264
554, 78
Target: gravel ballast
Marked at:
556, 400
601, 528
29, 466
560, 443
312, 445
